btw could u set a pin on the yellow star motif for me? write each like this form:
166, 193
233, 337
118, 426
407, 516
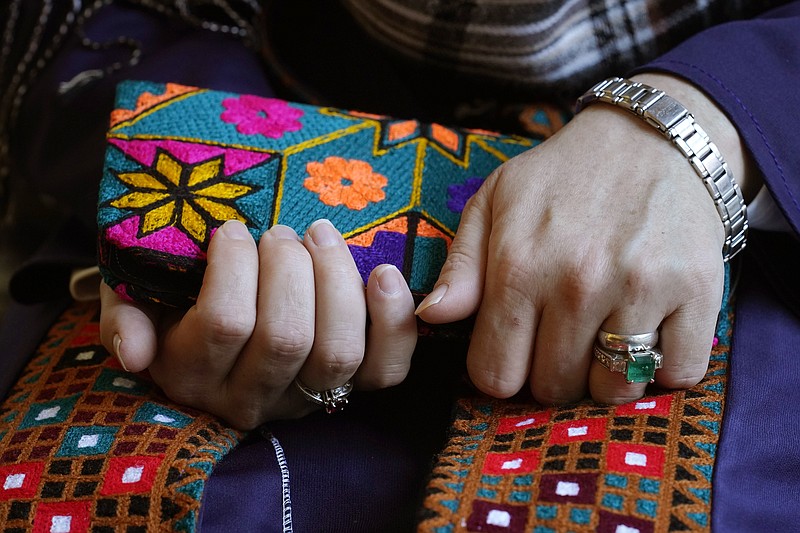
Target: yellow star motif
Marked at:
188, 197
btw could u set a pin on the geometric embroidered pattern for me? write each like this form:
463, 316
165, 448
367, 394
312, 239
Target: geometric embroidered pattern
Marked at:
512, 466
180, 161
86, 446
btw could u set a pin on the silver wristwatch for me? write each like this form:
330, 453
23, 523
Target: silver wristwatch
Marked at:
678, 125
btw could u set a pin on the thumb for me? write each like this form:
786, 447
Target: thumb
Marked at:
127, 330
458, 292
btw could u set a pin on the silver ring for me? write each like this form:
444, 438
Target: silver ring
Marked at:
332, 399
617, 342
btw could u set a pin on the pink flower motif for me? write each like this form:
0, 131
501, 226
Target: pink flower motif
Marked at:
268, 116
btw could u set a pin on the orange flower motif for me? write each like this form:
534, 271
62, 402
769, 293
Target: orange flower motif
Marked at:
345, 181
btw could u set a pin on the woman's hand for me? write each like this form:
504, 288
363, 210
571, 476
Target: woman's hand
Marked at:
266, 315
605, 225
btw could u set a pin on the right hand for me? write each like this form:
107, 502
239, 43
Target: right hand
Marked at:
265, 316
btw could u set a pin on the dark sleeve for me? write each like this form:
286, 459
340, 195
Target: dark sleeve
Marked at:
752, 70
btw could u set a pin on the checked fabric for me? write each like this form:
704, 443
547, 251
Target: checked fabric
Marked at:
181, 161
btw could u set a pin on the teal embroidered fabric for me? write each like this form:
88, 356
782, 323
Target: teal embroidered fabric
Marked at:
181, 161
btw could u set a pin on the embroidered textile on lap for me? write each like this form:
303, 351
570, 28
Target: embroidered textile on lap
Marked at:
85, 445
181, 161
646, 466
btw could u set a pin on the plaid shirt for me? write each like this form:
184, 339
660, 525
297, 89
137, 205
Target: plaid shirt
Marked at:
545, 45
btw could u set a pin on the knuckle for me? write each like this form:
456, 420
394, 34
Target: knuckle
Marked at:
581, 284
494, 384
460, 259
513, 276
340, 363
287, 340
226, 326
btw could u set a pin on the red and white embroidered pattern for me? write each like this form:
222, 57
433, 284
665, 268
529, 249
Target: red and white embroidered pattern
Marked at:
85, 443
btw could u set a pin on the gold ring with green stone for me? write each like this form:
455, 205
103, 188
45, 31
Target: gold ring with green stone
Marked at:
639, 365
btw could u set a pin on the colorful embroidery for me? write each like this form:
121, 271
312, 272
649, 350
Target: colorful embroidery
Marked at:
183, 196
642, 467
339, 181
85, 443
268, 116
177, 169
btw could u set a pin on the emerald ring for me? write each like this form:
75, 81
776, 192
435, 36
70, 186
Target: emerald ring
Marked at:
639, 362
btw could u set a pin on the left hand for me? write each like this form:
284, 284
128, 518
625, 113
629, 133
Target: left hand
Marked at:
605, 225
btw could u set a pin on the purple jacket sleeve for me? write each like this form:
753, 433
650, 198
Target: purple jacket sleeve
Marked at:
751, 68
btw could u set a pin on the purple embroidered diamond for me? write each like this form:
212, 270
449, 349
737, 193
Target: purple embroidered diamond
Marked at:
459, 193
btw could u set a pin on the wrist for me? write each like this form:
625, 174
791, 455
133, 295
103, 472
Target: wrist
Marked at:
716, 123
668, 115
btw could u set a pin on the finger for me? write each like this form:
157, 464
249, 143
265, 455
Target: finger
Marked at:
687, 336
127, 330
501, 347
612, 388
284, 331
459, 288
341, 313
562, 354
640, 302
577, 300
392, 333
203, 346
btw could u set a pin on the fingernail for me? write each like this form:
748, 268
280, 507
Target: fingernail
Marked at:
279, 231
390, 280
236, 230
117, 343
433, 298
324, 234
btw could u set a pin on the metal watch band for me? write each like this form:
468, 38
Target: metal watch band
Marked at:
678, 125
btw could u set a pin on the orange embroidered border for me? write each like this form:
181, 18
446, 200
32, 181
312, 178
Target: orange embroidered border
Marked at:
644, 466
84, 443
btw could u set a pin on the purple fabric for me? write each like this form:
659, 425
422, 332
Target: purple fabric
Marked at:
386, 247
757, 473
459, 195
752, 70
359, 470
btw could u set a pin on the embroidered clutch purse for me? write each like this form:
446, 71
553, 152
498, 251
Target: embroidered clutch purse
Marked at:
181, 161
